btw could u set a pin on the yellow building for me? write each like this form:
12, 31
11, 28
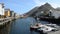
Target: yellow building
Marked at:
7, 13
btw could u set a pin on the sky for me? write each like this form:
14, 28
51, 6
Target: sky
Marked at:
23, 6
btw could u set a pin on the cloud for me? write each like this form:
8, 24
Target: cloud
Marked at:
51, 2
55, 5
38, 2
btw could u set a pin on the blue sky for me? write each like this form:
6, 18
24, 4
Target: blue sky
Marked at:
23, 6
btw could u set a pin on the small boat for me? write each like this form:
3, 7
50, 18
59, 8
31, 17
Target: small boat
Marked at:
36, 26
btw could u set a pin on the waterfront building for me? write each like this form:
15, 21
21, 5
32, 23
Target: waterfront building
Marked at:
7, 13
1, 8
12, 13
17, 15
55, 13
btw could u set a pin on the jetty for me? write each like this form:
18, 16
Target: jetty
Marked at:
5, 21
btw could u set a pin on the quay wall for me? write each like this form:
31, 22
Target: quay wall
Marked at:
5, 21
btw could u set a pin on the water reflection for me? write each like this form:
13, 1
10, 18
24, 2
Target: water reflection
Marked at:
20, 26
5, 29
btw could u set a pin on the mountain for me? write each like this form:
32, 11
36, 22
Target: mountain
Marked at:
31, 12
58, 9
36, 10
45, 7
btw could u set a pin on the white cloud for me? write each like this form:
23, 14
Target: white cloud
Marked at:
39, 3
36, 1
55, 5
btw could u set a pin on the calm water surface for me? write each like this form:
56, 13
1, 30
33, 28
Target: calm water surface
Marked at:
22, 26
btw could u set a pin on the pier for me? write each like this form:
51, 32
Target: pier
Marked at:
5, 21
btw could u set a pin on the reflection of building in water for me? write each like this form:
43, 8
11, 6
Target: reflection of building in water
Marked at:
5, 29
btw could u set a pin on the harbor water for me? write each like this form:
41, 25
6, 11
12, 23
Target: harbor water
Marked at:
20, 26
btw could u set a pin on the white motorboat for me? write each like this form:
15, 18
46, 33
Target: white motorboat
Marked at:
46, 29
54, 26
35, 26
